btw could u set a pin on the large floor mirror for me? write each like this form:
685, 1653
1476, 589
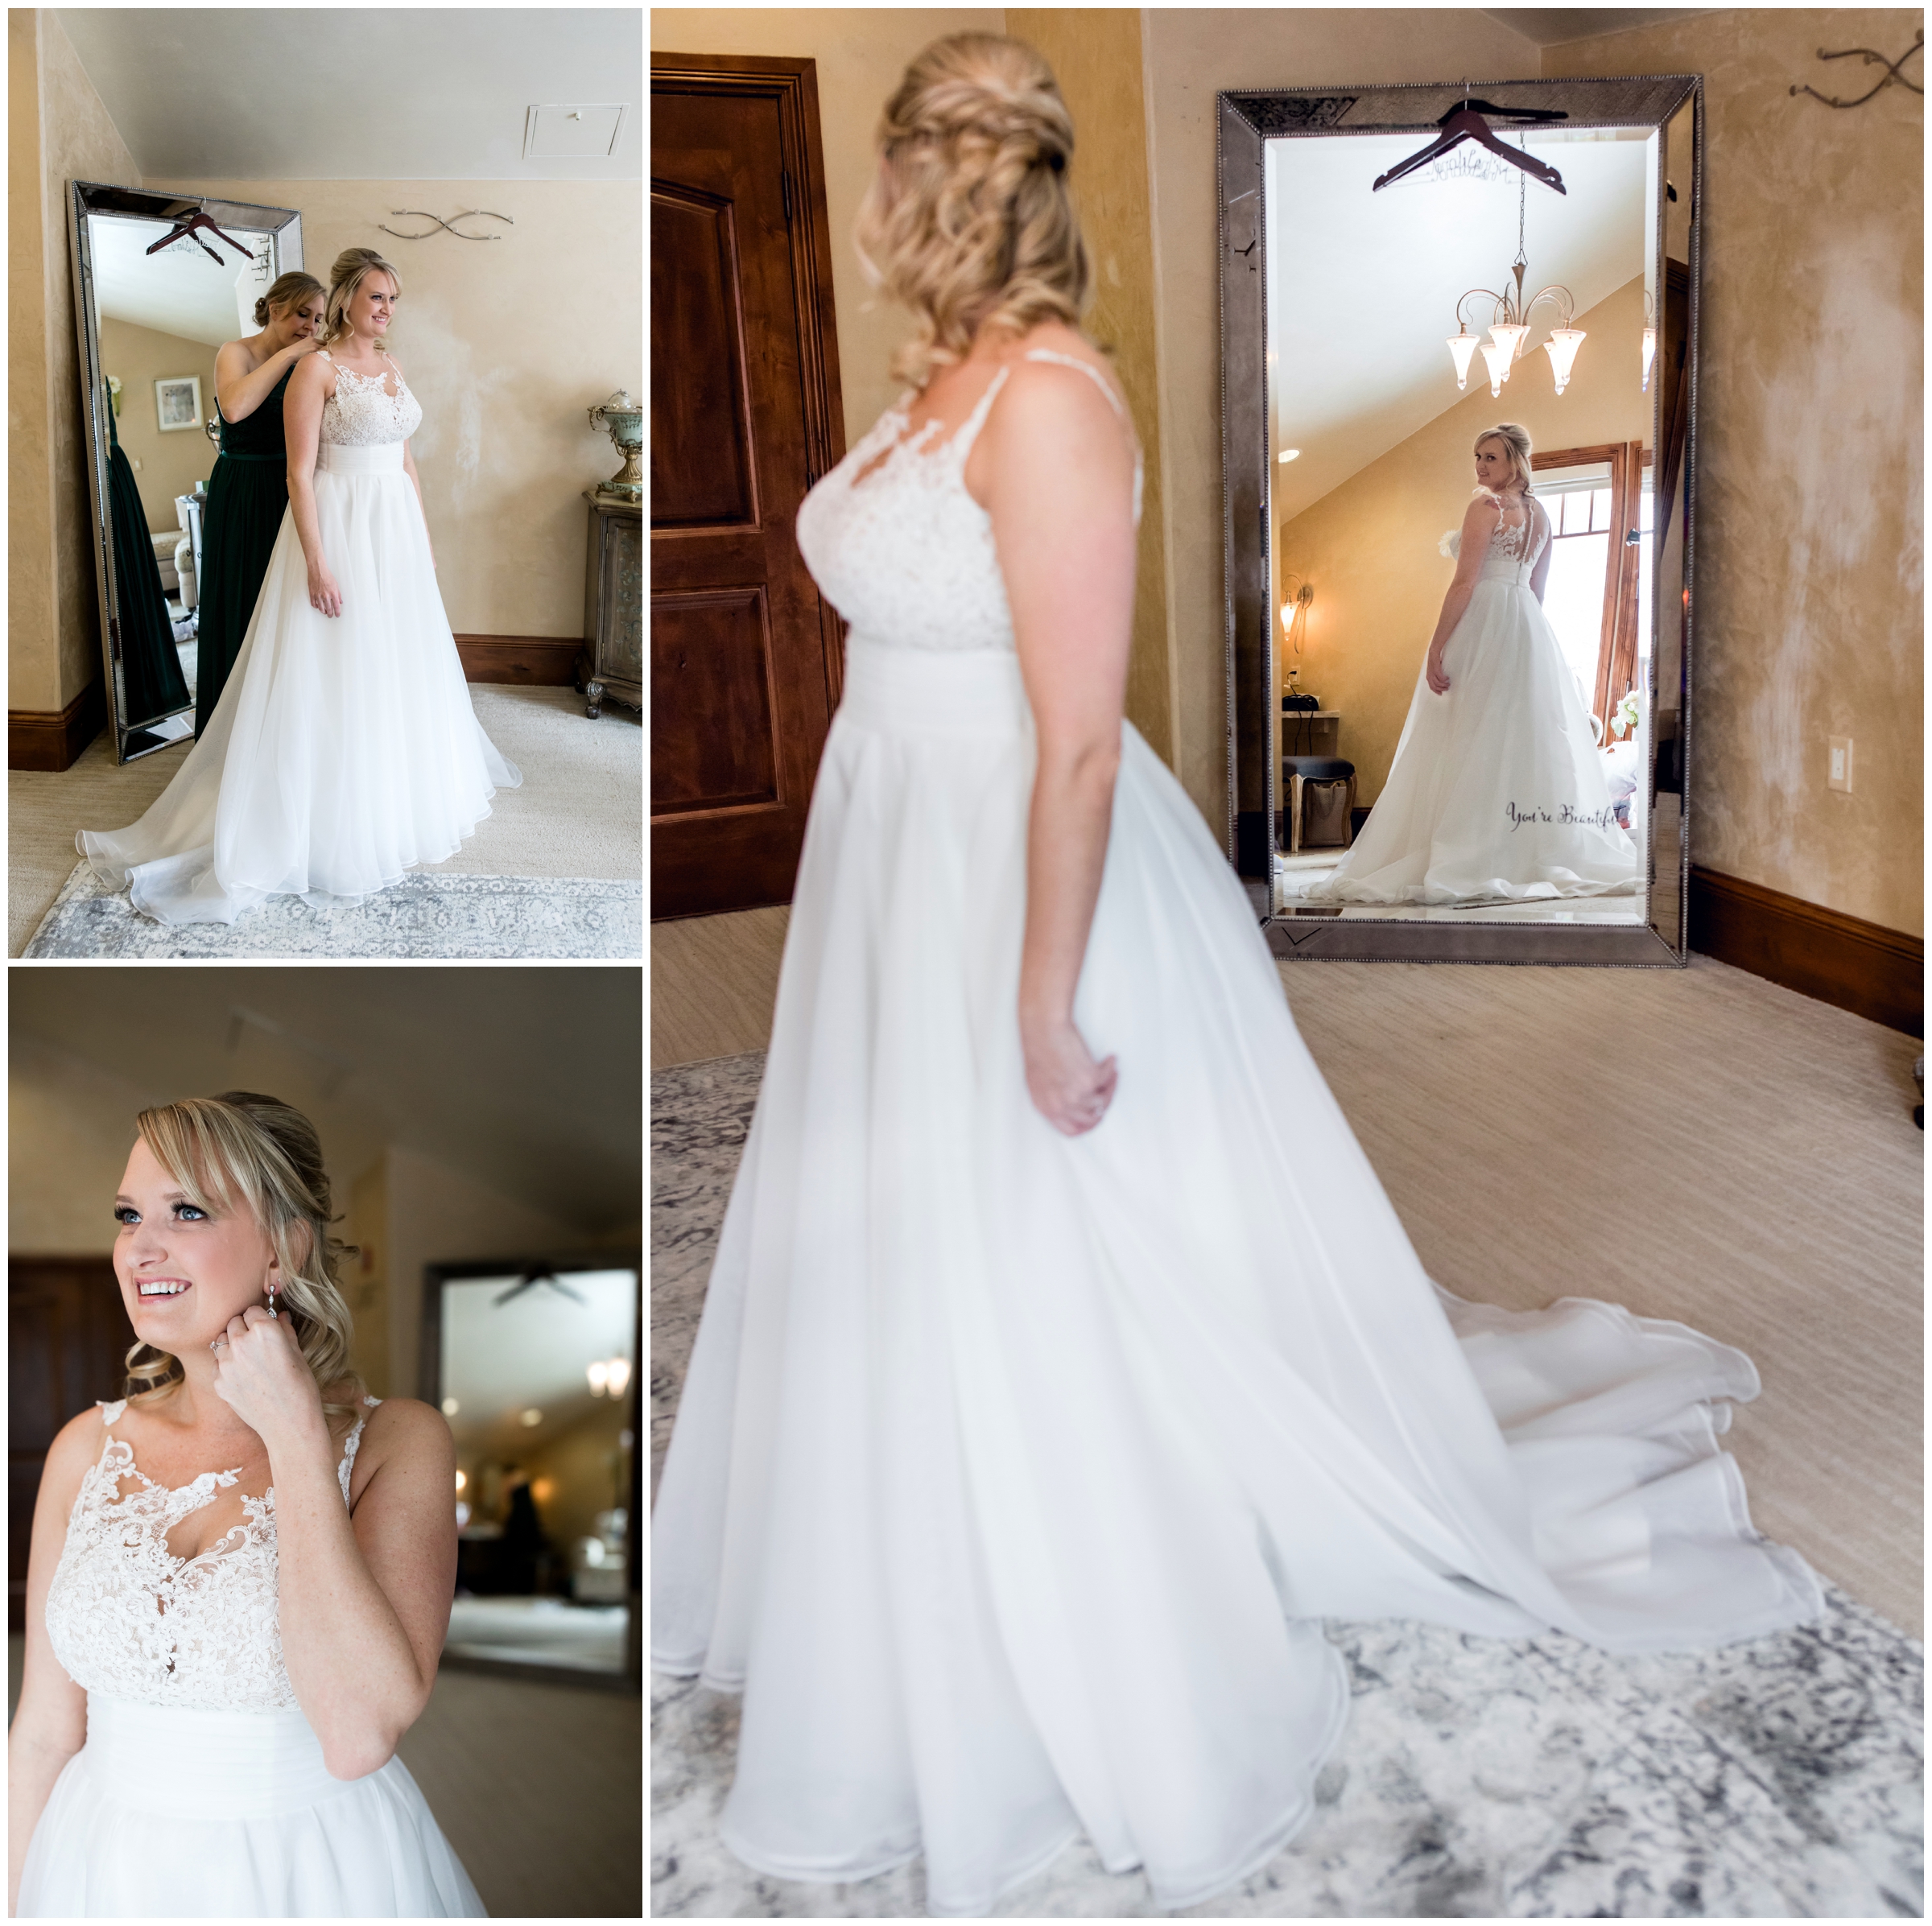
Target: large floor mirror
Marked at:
534, 1364
161, 281
1403, 268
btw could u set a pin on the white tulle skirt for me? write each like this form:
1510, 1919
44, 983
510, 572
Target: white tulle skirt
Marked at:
1497, 793
169, 1813
1014, 1472
344, 751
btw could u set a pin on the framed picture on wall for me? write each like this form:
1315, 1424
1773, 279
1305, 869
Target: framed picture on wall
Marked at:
178, 401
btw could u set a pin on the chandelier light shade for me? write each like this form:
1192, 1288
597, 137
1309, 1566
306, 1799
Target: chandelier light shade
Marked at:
1561, 347
1509, 324
1650, 355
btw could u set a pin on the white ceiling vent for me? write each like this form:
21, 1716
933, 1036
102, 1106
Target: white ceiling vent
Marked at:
572, 132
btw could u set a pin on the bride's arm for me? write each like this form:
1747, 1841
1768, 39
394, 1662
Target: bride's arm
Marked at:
1058, 473
50, 1726
363, 1599
1478, 524
308, 387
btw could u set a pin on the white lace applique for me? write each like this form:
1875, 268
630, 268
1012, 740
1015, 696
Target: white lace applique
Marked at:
127, 1618
1514, 546
900, 548
363, 414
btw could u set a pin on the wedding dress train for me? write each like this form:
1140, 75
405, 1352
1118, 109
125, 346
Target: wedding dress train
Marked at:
344, 750
1014, 1474
1497, 793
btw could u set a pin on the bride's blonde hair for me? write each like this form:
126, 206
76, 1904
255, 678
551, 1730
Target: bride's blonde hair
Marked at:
353, 266
969, 221
240, 1151
1514, 437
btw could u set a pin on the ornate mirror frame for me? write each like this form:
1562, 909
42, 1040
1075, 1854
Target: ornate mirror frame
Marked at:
1672, 106
136, 736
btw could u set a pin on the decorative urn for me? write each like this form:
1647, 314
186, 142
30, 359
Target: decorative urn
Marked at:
623, 419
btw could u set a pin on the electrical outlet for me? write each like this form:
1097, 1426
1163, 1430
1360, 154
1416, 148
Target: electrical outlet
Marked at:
1840, 776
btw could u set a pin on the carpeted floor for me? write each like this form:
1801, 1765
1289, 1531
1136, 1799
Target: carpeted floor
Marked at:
537, 1787
1478, 1778
1697, 1144
579, 812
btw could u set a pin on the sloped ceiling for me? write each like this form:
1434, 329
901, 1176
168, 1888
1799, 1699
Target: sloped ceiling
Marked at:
526, 1079
358, 93
179, 290
1363, 286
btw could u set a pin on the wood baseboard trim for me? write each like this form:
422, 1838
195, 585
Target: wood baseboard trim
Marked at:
52, 739
1840, 960
547, 662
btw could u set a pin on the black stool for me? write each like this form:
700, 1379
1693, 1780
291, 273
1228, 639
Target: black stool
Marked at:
1328, 773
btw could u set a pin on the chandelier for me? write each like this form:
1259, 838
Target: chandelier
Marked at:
1509, 327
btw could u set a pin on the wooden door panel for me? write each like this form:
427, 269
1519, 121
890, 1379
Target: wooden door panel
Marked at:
700, 442
743, 421
711, 655
67, 1339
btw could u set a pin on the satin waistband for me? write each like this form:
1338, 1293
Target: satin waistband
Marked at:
963, 694
337, 458
196, 1763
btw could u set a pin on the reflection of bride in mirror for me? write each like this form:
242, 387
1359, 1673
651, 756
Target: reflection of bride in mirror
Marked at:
1497, 791
344, 751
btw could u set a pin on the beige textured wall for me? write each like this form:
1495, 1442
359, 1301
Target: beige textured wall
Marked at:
1810, 559
54, 615
1191, 54
860, 52
1095, 53
165, 465
1368, 547
505, 344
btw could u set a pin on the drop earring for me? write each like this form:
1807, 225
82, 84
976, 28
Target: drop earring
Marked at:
271, 1293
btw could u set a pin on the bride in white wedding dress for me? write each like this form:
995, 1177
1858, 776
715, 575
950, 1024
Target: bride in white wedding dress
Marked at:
1497, 793
344, 751
1063, 1364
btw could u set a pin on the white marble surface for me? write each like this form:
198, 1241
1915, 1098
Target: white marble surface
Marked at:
1478, 1778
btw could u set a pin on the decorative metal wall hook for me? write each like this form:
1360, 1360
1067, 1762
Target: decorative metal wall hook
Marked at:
419, 214
1869, 57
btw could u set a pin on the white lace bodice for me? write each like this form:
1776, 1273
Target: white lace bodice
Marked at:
904, 553
129, 1620
1513, 551
363, 414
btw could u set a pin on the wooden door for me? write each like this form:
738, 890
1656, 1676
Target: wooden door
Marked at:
68, 1340
745, 416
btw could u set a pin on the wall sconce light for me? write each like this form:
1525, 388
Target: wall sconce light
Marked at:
1289, 455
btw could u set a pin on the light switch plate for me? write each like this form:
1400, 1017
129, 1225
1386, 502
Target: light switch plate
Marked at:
1838, 775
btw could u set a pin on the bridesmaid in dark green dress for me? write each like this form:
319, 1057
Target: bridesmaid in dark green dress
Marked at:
248, 491
152, 685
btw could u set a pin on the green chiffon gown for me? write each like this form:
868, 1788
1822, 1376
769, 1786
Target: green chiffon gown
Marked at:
246, 496
152, 685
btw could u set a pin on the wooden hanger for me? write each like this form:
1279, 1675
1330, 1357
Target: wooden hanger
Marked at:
1465, 122
186, 225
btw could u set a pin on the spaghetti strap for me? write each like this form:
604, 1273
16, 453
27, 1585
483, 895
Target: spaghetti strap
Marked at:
1086, 368
968, 431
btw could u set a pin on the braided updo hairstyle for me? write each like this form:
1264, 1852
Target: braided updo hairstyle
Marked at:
242, 1151
969, 222
1514, 437
289, 290
352, 266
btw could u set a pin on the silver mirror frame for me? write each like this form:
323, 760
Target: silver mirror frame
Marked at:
134, 737
1244, 123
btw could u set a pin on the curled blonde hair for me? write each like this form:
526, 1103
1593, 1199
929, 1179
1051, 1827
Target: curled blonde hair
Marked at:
240, 1151
1514, 437
353, 265
968, 221
288, 290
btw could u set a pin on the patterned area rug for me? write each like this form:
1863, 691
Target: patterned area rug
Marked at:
439, 917
1478, 1778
